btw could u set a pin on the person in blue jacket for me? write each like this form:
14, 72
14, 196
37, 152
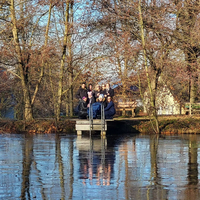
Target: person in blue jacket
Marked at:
96, 107
110, 108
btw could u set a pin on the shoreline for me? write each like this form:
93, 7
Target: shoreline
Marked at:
169, 125
37, 126
172, 125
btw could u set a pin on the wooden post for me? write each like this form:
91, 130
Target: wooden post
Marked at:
103, 136
123, 112
79, 133
190, 109
79, 137
103, 133
133, 113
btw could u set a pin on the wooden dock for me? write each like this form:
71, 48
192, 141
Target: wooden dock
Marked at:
91, 125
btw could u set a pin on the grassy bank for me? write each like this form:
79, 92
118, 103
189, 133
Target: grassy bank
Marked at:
168, 125
37, 126
171, 125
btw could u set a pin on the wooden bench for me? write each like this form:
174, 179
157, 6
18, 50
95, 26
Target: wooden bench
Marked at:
192, 108
126, 106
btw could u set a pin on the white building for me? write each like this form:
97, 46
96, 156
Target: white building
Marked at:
166, 103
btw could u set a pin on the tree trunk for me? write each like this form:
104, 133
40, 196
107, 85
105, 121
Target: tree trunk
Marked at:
43, 64
192, 60
71, 95
154, 86
60, 84
70, 56
23, 71
193, 88
121, 77
152, 93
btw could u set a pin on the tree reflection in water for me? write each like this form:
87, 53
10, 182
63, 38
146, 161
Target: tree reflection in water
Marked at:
192, 190
26, 169
61, 167
114, 167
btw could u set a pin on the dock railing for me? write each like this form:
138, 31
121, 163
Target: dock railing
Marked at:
91, 119
102, 118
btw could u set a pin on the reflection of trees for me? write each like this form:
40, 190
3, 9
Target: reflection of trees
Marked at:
142, 167
126, 174
155, 176
192, 191
39, 179
136, 175
36, 168
27, 161
153, 153
62, 174
71, 179
128, 167
60, 164
192, 165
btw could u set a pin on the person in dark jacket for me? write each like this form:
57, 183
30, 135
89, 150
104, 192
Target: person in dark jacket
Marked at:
90, 88
108, 91
110, 108
83, 108
82, 92
103, 90
91, 99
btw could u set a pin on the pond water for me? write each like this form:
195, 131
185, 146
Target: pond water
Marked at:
126, 166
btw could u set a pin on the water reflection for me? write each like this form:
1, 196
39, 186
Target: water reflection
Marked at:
114, 167
192, 190
96, 160
27, 154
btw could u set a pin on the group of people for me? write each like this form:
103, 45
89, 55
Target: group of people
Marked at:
94, 98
